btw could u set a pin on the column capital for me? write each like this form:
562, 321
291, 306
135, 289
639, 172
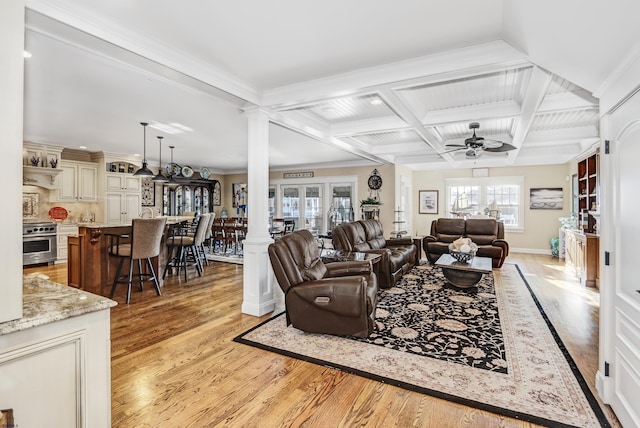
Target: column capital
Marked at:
254, 110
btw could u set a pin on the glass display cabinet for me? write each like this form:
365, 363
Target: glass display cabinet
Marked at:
188, 196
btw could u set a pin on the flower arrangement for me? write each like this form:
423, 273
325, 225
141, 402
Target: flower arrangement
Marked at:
370, 201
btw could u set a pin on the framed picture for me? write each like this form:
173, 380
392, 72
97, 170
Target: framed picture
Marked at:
239, 194
428, 201
148, 192
545, 198
217, 194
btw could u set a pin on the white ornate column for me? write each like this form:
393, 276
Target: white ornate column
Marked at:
258, 277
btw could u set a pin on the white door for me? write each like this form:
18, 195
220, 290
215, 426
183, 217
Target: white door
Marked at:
622, 299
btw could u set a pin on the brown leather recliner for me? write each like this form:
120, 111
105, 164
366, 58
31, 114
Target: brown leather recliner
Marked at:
487, 233
334, 298
397, 255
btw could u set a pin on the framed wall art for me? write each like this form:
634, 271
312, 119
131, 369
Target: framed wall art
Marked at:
428, 201
545, 198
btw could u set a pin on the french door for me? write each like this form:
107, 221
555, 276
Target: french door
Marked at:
304, 205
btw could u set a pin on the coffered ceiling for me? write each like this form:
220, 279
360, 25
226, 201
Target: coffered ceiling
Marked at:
346, 83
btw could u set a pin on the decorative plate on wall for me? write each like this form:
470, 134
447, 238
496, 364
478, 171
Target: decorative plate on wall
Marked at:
205, 173
58, 213
187, 172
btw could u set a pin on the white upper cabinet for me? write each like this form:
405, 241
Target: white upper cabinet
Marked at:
78, 182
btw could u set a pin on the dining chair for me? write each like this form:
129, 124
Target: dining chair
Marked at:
229, 229
143, 243
217, 237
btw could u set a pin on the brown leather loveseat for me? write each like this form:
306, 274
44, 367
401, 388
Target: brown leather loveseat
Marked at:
397, 255
487, 233
334, 298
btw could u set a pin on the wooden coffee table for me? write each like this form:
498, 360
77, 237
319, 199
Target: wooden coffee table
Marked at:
464, 274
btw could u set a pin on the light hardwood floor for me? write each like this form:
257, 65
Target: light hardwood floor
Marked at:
174, 362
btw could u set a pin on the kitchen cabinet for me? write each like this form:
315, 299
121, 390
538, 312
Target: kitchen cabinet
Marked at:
122, 207
77, 182
122, 197
581, 256
63, 232
57, 373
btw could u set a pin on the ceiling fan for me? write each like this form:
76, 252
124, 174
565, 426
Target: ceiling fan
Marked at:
473, 144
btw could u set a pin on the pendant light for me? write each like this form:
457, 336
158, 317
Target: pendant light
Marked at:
144, 171
160, 178
172, 181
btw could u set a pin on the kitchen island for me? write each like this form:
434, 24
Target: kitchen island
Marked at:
55, 361
91, 268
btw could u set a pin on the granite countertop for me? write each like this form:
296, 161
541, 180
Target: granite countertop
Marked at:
170, 220
46, 302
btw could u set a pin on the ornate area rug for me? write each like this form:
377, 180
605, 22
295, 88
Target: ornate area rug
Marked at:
492, 349
226, 258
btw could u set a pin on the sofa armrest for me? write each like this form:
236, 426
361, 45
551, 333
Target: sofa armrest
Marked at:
344, 296
502, 244
338, 269
429, 238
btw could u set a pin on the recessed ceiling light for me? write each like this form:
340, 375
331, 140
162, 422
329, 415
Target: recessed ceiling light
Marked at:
376, 101
83, 147
26, 54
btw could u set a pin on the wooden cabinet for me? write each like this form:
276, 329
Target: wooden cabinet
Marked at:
77, 182
588, 188
189, 195
581, 256
64, 230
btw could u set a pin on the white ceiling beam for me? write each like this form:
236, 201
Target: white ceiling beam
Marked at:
536, 90
404, 112
496, 54
322, 136
566, 101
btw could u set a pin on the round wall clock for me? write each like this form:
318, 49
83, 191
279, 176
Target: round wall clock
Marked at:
375, 181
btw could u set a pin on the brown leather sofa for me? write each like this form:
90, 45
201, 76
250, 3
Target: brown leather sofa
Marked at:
397, 255
334, 298
487, 233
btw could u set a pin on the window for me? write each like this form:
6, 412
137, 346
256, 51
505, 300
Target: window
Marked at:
469, 196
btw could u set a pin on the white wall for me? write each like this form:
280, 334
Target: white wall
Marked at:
540, 225
11, 102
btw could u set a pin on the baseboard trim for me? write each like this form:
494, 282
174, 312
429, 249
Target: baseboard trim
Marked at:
530, 251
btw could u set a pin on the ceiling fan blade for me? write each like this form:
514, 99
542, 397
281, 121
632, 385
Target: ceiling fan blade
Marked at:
453, 150
455, 144
505, 147
492, 144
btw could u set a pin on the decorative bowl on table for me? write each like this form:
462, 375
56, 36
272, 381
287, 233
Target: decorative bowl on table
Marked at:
463, 250
461, 256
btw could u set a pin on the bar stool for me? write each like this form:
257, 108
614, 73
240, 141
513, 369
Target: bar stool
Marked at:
183, 248
146, 237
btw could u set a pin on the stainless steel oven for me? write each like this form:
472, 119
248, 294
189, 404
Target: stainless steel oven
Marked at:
39, 243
